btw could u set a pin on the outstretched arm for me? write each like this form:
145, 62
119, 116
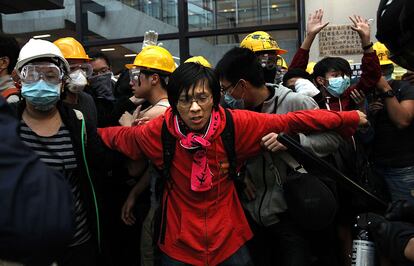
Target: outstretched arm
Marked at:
250, 127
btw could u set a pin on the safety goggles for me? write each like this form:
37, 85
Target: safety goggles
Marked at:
49, 72
270, 61
85, 67
134, 74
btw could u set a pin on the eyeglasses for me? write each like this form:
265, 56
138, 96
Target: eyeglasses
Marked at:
201, 100
229, 88
50, 73
85, 67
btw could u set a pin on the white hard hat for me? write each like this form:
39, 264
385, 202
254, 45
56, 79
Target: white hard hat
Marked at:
34, 49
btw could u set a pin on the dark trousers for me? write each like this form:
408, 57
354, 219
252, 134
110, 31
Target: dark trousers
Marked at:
240, 258
281, 244
81, 255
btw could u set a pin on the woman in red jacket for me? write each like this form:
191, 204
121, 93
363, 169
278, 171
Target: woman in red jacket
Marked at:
206, 224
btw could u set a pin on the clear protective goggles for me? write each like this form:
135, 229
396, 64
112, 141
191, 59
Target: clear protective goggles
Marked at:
134, 74
49, 72
85, 67
270, 61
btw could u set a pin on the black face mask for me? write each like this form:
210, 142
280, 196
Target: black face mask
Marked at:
269, 75
101, 86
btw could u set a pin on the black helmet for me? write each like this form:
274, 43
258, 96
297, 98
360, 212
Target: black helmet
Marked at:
395, 28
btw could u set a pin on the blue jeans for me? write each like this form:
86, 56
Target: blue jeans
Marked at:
400, 182
240, 258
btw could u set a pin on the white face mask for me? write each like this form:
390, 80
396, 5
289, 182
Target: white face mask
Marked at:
77, 81
306, 87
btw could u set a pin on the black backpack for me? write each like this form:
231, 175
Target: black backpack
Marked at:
165, 182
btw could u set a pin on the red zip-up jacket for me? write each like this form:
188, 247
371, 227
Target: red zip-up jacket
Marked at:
371, 73
205, 228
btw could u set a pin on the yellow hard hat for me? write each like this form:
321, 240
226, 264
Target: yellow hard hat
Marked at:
261, 41
310, 66
71, 48
199, 60
154, 58
282, 63
382, 53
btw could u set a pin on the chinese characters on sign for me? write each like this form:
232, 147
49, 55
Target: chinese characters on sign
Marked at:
339, 40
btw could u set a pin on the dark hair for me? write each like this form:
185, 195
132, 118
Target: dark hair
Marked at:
240, 63
163, 76
331, 64
99, 55
10, 48
296, 73
186, 77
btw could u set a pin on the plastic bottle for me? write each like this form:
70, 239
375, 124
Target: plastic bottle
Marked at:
363, 248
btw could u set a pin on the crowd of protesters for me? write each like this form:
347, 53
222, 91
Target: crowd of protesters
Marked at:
185, 165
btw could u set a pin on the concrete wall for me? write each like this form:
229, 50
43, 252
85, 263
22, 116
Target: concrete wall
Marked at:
337, 12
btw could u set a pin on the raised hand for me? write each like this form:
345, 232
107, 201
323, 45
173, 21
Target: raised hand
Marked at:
361, 25
315, 24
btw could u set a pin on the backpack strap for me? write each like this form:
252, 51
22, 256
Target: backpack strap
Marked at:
168, 149
9, 92
227, 136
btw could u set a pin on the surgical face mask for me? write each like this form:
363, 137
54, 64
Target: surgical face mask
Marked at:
42, 95
337, 86
306, 87
77, 81
101, 86
232, 102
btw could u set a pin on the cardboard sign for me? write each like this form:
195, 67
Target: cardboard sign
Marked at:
339, 40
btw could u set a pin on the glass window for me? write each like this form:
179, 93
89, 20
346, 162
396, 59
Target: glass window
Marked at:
209, 14
27, 21
113, 19
213, 48
122, 54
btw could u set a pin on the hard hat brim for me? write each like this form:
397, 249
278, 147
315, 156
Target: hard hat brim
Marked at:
386, 62
281, 51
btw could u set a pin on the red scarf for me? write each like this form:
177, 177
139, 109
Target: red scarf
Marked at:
201, 176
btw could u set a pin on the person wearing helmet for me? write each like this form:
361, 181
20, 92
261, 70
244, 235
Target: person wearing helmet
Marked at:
268, 53
392, 110
80, 70
199, 60
149, 74
241, 74
57, 134
9, 50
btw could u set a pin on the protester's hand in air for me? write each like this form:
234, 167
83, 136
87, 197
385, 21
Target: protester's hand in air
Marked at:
409, 76
359, 98
127, 214
270, 143
315, 24
361, 25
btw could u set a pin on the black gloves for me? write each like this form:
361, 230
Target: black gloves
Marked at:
391, 237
